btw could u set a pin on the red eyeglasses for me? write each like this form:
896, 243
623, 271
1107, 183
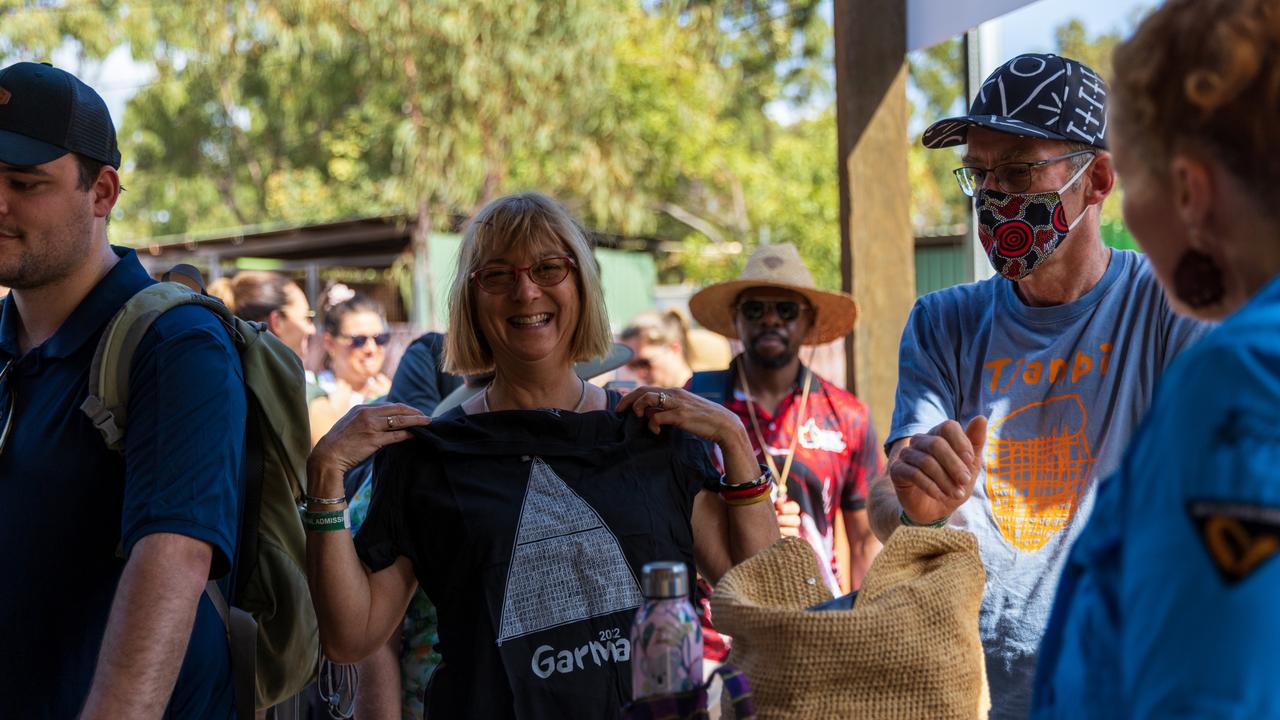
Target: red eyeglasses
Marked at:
547, 272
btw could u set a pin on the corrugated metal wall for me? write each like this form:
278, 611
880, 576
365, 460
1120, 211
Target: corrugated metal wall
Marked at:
939, 266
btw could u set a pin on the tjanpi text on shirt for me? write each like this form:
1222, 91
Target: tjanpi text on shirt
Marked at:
1032, 372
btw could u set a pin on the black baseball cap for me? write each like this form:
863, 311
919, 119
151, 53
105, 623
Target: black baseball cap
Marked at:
1037, 96
46, 113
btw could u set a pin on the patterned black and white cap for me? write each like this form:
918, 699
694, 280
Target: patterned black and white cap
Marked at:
1037, 96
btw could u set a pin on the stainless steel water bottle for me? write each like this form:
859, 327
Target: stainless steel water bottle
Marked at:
666, 637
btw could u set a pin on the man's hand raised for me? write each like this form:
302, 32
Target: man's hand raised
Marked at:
934, 474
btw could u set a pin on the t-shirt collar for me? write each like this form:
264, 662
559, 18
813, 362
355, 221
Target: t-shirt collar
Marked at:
1117, 266
736, 392
8, 327
120, 283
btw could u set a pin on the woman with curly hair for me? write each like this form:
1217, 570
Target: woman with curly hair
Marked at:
1166, 606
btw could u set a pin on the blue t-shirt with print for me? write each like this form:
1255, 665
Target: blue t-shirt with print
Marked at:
1062, 388
1167, 604
74, 505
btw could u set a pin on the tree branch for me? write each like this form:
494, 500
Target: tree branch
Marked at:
688, 218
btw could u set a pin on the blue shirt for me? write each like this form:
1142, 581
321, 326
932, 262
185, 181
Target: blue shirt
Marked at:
1062, 388
420, 380
1167, 605
72, 503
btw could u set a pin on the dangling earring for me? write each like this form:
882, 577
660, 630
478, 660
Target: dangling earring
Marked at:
1197, 279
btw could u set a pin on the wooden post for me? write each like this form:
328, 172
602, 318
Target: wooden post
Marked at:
877, 258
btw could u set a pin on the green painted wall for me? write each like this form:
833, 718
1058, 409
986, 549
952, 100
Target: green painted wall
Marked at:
939, 266
628, 279
442, 256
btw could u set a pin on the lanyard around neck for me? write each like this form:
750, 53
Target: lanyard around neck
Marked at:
781, 477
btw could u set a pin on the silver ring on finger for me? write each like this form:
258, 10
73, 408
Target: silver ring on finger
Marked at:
662, 401
391, 422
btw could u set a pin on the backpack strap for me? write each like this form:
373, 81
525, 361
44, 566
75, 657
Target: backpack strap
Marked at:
186, 275
107, 407
242, 635
711, 384
738, 689
108, 399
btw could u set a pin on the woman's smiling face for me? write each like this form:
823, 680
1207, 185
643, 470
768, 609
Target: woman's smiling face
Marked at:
529, 322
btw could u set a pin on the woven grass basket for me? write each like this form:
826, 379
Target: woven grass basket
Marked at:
908, 649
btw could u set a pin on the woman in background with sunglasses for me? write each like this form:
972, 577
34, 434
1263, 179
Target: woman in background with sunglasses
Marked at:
355, 340
527, 513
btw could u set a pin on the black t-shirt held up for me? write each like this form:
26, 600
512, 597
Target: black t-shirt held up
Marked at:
528, 529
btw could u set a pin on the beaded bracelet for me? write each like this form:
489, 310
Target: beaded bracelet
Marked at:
313, 500
748, 496
908, 522
332, 521
766, 478
758, 495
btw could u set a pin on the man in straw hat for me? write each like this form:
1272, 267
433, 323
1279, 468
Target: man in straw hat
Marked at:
1016, 393
816, 437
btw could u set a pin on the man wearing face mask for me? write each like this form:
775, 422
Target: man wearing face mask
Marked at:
1017, 393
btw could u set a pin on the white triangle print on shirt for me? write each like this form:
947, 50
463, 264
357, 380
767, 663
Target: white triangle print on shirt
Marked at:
566, 565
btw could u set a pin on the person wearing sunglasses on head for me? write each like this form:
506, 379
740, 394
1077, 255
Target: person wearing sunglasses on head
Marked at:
659, 344
276, 301
355, 340
1016, 393
527, 512
107, 553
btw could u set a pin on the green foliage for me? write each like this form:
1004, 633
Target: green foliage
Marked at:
937, 74
646, 119
1075, 42
729, 176
649, 119
33, 30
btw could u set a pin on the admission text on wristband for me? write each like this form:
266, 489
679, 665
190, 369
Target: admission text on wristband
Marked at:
326, 521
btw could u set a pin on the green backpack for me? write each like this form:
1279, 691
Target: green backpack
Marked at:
271, 624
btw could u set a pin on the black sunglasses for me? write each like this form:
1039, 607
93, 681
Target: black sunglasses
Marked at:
786, 310
361, 340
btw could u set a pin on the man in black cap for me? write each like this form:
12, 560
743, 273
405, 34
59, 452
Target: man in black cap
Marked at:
1015, 394
106, 554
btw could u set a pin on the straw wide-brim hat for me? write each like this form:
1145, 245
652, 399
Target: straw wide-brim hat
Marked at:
776, 266
909, 649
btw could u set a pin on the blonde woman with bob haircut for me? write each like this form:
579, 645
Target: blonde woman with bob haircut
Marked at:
551, 231
527, 513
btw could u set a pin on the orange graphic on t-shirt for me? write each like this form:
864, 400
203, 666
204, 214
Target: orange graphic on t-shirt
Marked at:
1037, 461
